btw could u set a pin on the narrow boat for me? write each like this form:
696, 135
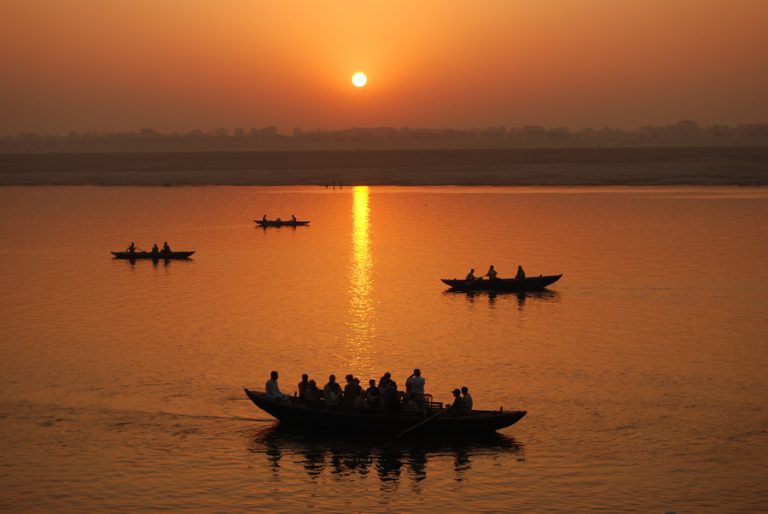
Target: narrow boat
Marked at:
281, 223
300, 414
156, 256
502, 284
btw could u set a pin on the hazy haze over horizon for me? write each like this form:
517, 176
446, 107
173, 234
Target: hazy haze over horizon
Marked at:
120, 66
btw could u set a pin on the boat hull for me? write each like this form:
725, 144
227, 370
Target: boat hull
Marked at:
275, 223
295, 413
159, 256
502, 284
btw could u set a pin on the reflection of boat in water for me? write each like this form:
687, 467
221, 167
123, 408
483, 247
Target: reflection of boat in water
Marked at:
502, 284
320, 453
281, 223
295, 412
155, 256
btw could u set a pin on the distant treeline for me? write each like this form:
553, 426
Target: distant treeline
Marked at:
684, 133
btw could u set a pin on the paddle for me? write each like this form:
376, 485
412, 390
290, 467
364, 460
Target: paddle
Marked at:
419, 424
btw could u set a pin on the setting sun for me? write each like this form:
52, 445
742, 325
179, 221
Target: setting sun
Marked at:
359, 79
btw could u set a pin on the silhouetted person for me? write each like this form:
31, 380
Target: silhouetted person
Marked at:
166, 248
293, 218
264, 218
273, 390
303, 385
372, 393
491, 273
471, 275
351, 391
467, 397
415, 386
520, 273
332, 391
383, 383
459, 405
132, 249
312, 394
155, 250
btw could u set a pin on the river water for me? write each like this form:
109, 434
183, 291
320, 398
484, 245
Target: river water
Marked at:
643, 370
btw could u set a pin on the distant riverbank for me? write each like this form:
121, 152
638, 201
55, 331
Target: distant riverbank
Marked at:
466, 167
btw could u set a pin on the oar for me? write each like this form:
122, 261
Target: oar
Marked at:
420, 423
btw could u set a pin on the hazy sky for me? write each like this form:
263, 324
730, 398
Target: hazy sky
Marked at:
176, 65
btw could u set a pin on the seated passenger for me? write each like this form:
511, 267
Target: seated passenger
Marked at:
471, 275
520, 273
293, 218
264, 218
312, 394
303, 385
467, 397
332, 392
166, 248
351, 391
273, 390
372, 393
392, 396
491, 273
383, 383
155, 249
459, 405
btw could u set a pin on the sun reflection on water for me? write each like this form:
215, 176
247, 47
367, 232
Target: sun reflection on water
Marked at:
360, 303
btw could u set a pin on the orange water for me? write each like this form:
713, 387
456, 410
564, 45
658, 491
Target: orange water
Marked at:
643, 369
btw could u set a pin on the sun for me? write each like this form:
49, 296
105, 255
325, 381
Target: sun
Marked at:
359, 79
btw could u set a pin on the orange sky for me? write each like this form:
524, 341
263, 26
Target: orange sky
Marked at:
176, 65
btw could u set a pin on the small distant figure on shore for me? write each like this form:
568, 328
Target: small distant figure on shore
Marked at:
273, 390
166, 248
520, 273
471, 275
491, 273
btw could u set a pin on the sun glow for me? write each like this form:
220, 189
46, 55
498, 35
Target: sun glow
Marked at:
359, 79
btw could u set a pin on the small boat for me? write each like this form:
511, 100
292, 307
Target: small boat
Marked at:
300, 414
502, 284
155, 256
281, 223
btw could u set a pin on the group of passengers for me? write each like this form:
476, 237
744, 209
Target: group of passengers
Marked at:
384, 396
492, 274
155, 250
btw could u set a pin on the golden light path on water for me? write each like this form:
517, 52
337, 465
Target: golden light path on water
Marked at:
360, 302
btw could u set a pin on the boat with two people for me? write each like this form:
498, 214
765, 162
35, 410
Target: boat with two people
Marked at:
156, 254
264, 222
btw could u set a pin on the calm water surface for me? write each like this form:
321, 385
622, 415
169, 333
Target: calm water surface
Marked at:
643, 370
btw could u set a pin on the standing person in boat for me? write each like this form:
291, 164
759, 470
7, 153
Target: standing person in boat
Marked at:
520, 273
332, 392
132, 249
415, 385
471, 276
467, 397
383, 383
155, 250
166, 248
273, 390
491, 273
303, 386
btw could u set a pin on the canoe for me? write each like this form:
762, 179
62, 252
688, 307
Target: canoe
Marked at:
154, 256
281, 223
300, 414
502, 284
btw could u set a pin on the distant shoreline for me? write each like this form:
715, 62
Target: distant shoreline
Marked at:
746, 166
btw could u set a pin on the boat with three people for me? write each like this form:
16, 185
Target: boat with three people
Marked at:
278, 222
501, 284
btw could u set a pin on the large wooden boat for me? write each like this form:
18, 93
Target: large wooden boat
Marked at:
281, 223
502, 284
156, 256
294, 412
